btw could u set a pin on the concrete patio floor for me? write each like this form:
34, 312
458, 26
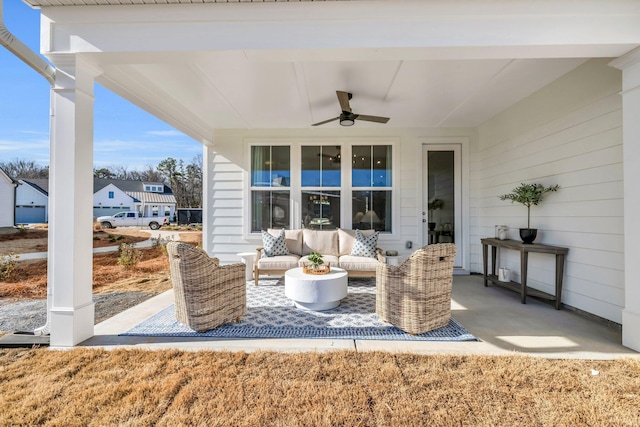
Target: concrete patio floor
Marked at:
493, 314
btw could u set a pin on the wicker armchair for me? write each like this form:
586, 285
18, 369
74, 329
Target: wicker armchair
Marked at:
206, 294
416, 295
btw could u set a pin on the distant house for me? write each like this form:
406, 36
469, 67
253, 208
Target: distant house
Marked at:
149, 198
7, 198
32, 201
110, 196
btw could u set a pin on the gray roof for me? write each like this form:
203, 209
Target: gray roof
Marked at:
134, 189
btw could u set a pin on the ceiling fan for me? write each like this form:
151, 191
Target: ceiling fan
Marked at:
347, 118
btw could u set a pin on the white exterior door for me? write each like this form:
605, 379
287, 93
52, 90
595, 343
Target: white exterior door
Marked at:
442, 196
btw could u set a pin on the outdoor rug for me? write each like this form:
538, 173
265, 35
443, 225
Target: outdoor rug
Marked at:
272, 315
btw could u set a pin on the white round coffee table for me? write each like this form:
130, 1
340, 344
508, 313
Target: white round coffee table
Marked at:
316, 292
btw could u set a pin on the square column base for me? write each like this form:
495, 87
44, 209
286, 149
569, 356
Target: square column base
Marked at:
71, 326
631, 329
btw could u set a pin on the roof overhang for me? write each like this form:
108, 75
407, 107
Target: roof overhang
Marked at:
207, 66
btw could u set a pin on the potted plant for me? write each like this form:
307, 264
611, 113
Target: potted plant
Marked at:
434, 205
528, 194
316, 260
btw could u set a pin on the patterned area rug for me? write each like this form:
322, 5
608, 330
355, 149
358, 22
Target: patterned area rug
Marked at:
272, 315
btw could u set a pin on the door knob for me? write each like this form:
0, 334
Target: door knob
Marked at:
424, 220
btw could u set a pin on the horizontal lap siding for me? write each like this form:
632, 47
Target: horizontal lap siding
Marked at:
580, 149
226, 210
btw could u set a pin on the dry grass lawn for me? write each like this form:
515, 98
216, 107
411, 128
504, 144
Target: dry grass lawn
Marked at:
86, 387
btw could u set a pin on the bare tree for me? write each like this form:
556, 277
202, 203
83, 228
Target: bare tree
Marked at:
25, 169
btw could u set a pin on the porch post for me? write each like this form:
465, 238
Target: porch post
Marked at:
207, 196
70, 207
630, 66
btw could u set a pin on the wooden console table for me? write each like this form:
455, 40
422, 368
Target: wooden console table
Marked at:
524, 250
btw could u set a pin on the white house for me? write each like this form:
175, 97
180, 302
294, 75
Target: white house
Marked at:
32, 201
7, 196
481, 94
149, 198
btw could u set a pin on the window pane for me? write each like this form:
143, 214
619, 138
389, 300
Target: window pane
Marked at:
321, 166
321, 210
260, 166
269, 209
270, 166
281, 166
310, 166
382, 166
371, 210
331, 157
361, 166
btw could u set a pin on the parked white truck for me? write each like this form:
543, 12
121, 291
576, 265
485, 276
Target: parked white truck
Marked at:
126, 219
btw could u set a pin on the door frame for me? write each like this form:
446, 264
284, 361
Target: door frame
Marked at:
461, 145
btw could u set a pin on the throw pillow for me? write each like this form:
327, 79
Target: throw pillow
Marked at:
274, 245
365, 246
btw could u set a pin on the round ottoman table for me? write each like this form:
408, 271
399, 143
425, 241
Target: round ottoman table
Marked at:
316, 292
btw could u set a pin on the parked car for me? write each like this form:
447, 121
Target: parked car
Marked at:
126, 219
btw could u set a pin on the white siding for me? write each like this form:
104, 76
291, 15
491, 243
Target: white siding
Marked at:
7, 205
120, 199
569, 133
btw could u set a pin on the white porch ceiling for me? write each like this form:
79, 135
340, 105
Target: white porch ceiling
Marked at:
233, 90
259, 65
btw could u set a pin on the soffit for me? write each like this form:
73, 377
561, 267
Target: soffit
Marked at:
44, 3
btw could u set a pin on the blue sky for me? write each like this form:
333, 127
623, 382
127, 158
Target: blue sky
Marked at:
124, 135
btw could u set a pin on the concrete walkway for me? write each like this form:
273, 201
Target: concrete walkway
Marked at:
154, 234
492, 314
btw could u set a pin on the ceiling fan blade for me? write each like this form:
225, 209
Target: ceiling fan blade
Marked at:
343, 99
376, 119
326, 121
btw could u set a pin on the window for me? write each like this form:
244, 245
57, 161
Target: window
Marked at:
270, 181
167, 211
322, 196
372, 181
111, 195
320, 174
154, 210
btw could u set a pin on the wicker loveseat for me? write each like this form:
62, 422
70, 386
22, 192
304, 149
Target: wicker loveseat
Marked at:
416, 295
206, 294
334, 245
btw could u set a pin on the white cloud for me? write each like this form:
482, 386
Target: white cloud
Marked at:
164, 133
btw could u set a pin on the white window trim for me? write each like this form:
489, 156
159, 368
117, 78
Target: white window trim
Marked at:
295, 188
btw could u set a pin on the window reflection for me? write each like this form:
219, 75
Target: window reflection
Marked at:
371, 210
321, 210
270, 209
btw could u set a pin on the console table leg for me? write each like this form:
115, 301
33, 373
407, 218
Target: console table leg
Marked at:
494, 250
559, 276
524, 259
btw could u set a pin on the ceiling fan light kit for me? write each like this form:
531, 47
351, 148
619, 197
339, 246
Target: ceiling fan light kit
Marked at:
347, 118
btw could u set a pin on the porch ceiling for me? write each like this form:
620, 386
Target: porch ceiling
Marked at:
423, 64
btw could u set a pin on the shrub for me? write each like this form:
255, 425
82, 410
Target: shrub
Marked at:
22, 229
7, 264
129, 256
161, 242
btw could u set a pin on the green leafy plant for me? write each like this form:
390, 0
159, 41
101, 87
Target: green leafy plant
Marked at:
528, 195
434, 205
129, 256
7, 264
315, 259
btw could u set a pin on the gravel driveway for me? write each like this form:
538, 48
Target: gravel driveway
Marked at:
27, 315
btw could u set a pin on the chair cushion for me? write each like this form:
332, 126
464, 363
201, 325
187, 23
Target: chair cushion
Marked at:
293, 238
325, 242
346, 239
358, 263
274, 245
281, 262
326, 258
365, 245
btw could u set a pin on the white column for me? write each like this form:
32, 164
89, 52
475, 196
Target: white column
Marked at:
630, 66
207, 197
70, 207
